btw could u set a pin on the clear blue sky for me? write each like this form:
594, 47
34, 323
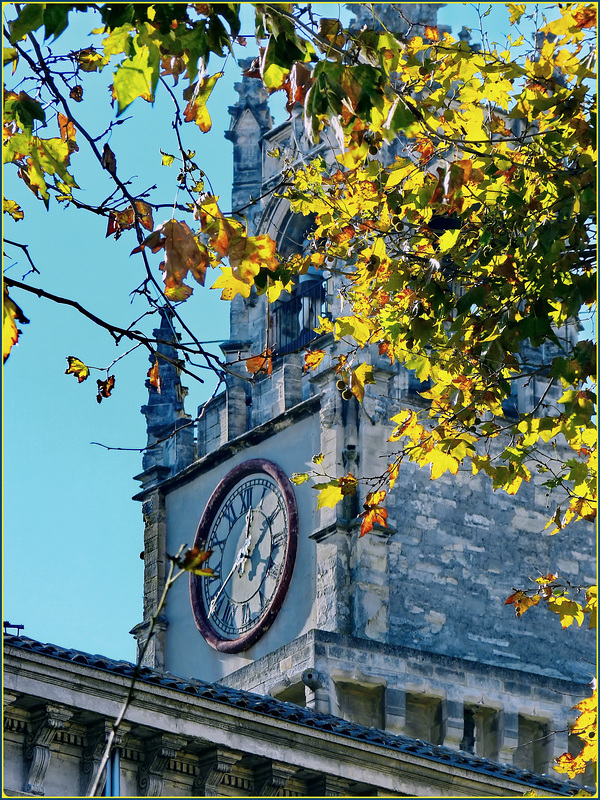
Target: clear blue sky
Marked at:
72, 535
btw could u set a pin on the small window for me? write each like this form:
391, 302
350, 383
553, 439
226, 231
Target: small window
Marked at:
481, 734
361, 703
425, 718
295, 316
535, 745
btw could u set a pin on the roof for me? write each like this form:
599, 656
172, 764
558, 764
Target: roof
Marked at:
290, 712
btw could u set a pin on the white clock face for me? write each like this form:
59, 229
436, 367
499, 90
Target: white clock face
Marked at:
250, 526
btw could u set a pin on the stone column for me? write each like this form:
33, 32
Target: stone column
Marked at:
238, 389
46, 723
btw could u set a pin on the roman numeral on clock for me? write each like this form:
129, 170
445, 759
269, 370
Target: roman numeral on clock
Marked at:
279, 538
230, 514
246, 499
246, 613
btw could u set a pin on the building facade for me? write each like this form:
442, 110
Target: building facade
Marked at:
315, 663
404, 629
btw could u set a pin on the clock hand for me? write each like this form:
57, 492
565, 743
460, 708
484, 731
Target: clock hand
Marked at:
241, 559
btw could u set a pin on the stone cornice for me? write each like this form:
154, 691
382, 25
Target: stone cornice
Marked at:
304, 409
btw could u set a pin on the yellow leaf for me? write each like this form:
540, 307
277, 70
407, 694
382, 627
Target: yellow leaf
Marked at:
362, 375
11, 314
569, 610
440, 462
196, 109
299, 477
230, 285
12, 208
77, 368
592, 604
516, 12
330, 495
312, 359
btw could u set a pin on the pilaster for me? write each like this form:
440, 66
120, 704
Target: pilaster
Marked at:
154, 515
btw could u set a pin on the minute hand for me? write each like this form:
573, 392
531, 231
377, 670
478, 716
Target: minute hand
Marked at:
239, 562
213, 602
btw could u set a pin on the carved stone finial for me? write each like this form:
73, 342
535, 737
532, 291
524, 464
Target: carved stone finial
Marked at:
167, 424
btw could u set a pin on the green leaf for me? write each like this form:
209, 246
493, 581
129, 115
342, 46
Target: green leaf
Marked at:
30, 18
137, 76
56, 19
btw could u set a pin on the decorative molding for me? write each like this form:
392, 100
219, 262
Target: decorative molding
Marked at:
272, 778
159, 751
8, 698
211, 768
96, 738
45, 725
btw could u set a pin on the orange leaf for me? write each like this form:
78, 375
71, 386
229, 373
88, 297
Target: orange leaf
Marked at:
145, 213
375, 516
393, 471
67, 128
76, 93
312, 359
348, 484
183, 254
193, 560
215, 225
77, 368
261, 363
522, 602
586, 18
196, 109
432, 34
154, 376
105, 388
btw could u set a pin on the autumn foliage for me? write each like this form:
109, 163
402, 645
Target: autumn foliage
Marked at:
459, 213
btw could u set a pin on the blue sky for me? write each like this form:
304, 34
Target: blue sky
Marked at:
72, 535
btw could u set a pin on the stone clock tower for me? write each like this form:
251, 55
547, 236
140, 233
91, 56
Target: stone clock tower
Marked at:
403, 629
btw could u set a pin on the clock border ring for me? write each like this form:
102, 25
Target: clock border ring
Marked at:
233, 477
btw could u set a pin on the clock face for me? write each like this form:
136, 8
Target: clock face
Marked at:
250, 523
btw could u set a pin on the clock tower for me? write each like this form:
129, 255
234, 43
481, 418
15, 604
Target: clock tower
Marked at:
402, 629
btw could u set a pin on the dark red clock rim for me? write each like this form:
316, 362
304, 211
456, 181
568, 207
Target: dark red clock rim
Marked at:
230, 480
